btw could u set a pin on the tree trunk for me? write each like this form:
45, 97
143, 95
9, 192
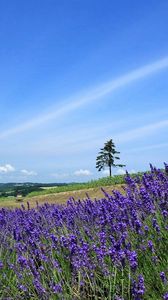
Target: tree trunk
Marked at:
110, 170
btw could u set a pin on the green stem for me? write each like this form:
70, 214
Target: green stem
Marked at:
114, 281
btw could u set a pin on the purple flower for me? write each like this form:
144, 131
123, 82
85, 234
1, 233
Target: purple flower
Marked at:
165, 297
163, 277
150, 245
165, 213
22, 261
39, 288
1, 265
132, 257
166, 168
138, 225
138, 288
84, 240
57, 288
23, 288
146, 228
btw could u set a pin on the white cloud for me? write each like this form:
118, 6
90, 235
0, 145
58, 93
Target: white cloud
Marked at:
6, 168
59, 175
132, 171
123, 172
28, 173
92, 95
82, 172
120, 172
105, 172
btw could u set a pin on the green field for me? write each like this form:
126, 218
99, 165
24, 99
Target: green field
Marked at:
58, 198
60, 193
106, 181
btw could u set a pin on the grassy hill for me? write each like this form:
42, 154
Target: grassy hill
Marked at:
57, 192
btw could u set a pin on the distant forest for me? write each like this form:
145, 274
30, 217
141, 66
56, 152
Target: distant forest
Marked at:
23, 189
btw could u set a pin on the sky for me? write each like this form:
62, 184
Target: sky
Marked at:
74, 74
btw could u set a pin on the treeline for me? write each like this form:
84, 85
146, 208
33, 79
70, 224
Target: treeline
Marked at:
15, 189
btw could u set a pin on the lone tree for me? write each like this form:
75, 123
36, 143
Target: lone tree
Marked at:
106, 157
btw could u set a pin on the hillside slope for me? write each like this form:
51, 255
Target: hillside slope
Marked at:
59, 198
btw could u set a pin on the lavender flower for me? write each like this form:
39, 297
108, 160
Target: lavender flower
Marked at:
1, 265
85, 243
138, 288
165, 297
163, 277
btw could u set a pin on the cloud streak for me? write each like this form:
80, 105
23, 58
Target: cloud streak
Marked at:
89, 141
148, 147
84, 98
141, 131
28, 173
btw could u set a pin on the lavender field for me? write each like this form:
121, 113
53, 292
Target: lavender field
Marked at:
111, 248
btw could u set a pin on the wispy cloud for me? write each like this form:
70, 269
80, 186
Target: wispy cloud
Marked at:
28, 173
123, 172
60, 175
7, 168
82, 172
90, 140
84, 98
149, 147
120, 172
140, 132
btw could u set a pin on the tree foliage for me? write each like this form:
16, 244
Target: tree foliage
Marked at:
107, 157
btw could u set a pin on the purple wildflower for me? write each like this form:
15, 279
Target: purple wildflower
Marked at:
165, 296
150, 245
163, 277
57, 288
138, 288
1, 265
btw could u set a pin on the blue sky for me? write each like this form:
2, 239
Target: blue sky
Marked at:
75, 74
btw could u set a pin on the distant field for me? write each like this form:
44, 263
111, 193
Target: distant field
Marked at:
61, 193
102, 182
48, 187
59, 198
